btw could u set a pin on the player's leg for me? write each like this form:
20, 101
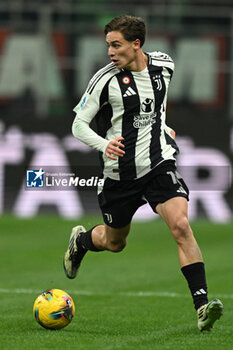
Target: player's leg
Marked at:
118, 202
98, 238
174, 213
109, 238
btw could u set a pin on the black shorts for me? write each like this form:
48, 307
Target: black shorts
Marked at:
119, 200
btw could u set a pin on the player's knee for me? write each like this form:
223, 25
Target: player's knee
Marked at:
181, 229
116, 246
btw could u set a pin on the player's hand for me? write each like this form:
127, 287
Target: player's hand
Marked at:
173, 134
114, 147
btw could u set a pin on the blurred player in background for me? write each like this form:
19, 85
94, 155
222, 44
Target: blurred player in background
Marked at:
128, 100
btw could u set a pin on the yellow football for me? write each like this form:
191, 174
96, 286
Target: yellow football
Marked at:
54, 309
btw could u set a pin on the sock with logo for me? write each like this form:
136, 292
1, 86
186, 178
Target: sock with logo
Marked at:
84, 241
195, 276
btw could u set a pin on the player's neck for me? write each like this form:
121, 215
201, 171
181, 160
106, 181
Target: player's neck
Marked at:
140, 62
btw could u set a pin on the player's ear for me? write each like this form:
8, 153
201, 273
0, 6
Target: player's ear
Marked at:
137, 44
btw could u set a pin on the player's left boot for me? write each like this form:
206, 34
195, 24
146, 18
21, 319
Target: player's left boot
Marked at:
74, 254
209, 313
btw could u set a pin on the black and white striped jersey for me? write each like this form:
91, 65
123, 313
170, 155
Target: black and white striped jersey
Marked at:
132, 105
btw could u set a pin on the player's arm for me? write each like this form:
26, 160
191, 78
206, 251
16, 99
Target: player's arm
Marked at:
82, 131
85, 112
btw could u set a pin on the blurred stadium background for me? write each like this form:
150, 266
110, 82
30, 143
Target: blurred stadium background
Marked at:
48, 52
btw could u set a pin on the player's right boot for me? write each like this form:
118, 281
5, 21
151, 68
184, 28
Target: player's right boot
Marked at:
74, 254
209, 313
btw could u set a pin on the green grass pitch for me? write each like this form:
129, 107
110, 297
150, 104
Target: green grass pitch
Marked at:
136, 299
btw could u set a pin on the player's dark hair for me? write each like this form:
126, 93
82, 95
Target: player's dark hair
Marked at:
131, 27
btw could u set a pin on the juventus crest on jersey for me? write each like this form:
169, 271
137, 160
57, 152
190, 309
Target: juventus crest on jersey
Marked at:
132, 105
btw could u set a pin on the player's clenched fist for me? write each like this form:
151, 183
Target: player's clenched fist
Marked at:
114, 147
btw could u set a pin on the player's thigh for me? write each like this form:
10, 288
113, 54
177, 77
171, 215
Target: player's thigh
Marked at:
118, 202
175, 213
173, 209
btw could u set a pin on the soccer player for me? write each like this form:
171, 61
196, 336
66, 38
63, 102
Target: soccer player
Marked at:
138, 155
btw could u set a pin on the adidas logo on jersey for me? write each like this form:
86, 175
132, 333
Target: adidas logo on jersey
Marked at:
129, 92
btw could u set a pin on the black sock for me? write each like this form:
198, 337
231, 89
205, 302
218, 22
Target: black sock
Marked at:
85, 240
195, 276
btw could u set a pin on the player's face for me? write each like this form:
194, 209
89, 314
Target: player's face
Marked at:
121, 52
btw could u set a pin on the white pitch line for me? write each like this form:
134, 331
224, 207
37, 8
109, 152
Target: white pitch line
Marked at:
124, 294
154, 294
